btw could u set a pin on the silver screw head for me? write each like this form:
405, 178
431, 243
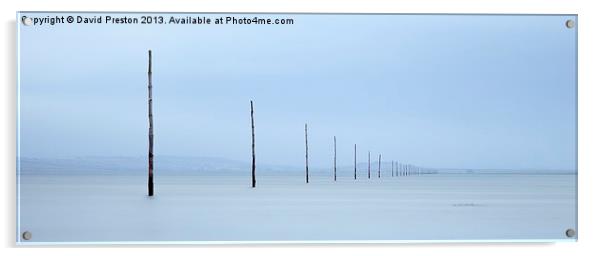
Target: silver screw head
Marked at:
26, 235
27, 21
570, 232
570, 23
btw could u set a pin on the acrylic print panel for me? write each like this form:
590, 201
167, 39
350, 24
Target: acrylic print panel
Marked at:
136, 128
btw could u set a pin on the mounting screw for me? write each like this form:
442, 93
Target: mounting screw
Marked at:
26, 235
570, 232
27, 21
569, 23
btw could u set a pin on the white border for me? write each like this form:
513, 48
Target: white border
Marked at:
590, 123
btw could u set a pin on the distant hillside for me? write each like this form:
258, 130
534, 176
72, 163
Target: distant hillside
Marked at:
224, 166
163, 164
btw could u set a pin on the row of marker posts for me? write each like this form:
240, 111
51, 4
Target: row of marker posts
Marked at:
400, 169
397, 169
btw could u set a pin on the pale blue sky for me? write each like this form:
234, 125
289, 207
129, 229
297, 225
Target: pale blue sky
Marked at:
460, 91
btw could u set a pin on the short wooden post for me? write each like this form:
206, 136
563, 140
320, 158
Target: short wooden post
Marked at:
253, 181
306, 157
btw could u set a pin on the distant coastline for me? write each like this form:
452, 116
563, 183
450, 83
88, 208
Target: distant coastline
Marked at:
180, 165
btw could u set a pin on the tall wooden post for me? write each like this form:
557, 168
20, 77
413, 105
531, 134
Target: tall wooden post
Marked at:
355, 161
306, 160
368, 164
335, 158
379, 166
253, 181
391, 168
151, 185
